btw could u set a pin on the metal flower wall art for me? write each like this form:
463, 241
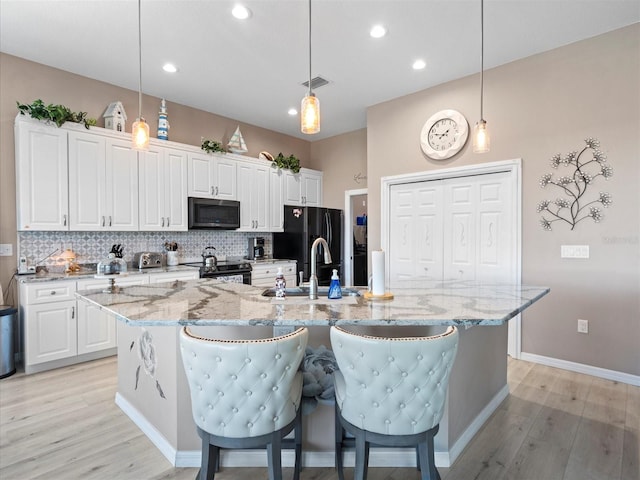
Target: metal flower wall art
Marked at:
573, 204
147, 356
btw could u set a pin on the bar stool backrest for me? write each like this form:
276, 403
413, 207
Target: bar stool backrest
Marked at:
393, 386
243, 388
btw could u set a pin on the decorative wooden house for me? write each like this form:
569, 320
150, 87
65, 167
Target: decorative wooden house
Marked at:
115, 118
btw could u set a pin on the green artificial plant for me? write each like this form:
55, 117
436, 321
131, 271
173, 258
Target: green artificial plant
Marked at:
211, 146
291, 162
57, 114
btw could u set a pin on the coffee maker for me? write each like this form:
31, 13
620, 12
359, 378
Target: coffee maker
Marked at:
256, 248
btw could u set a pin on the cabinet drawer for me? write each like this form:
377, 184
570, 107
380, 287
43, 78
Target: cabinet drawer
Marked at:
173, 276
98, 283
47, 292
265, 275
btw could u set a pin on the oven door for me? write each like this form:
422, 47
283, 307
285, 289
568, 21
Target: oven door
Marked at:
233, 278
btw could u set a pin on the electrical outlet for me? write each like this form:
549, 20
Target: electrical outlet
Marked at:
574, 251
583, 326
6, 249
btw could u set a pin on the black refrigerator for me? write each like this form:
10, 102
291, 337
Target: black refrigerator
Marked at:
302, 225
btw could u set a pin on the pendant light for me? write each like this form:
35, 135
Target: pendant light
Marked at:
310, 109
481, 140
140, 130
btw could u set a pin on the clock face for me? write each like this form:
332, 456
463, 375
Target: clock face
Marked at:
444, 134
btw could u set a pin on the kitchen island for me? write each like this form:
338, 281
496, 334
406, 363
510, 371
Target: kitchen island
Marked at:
152, 387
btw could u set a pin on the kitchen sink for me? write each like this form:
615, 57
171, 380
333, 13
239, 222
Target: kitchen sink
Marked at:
304, 292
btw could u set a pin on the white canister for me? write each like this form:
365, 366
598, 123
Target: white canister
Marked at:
172, 258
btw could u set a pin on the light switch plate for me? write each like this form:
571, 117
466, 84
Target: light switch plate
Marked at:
574, 251
6, 249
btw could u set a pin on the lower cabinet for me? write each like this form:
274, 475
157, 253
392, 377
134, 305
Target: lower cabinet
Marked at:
50, 332
264, 275
60, 330
96, 329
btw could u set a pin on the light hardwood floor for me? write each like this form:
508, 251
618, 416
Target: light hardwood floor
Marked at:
555, 425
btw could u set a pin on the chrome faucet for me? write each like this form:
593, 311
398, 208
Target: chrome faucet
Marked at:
313, 278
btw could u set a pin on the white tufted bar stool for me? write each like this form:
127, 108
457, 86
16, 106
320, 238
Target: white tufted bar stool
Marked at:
245, 394
391, 392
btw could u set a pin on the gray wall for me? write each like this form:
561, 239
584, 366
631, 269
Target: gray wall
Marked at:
537, 107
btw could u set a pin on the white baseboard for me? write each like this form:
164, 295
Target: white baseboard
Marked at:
379, 457
150, 431
582, 368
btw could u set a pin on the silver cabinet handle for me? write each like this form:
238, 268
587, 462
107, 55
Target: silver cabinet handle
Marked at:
103, 221
162, 222
167, 222
217, 190
213, 191
53, 292
109, 220
73, 312
64, 219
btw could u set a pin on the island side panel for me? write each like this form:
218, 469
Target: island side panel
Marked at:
479, 374
147, 368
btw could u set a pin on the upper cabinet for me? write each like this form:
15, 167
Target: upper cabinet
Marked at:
103, 183
42, 176
253, 192
304, 188
276, 200
71, 178
163, 189
212, 176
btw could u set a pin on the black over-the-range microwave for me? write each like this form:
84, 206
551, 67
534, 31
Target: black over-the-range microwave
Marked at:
209, 213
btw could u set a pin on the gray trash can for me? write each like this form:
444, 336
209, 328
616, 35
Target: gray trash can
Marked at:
7, 351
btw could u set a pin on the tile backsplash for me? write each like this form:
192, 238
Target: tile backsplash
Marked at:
44, 248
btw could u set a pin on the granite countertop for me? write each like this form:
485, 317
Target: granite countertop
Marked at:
212, 302
85, 273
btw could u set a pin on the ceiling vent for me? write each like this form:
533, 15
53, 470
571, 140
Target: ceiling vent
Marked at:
316, 82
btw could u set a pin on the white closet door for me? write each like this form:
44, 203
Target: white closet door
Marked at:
401, 251
428, 234
457, 228
479, 235
495, 246
416, 231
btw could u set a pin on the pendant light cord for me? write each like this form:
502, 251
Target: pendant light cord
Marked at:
139, 60
481, 59
309, 47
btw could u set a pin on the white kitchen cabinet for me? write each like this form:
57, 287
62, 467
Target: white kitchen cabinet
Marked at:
103, 183
96, 329
49, 316
303, 188
163, 189
264, 274
212, 176
276, 200
253, 193
41, 176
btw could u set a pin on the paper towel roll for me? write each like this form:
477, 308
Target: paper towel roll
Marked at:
377, 272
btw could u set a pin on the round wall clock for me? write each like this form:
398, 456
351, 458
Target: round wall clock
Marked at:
444, 134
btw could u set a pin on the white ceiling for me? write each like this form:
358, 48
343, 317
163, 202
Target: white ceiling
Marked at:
252, 70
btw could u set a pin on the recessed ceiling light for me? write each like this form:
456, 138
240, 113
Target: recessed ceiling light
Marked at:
378, 31
241, 12
169, 68
292, 112
419, 64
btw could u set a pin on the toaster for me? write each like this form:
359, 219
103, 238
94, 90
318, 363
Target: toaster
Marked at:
149, 260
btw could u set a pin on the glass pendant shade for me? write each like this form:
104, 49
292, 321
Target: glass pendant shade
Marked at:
481, 140
140, 134
310, 114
